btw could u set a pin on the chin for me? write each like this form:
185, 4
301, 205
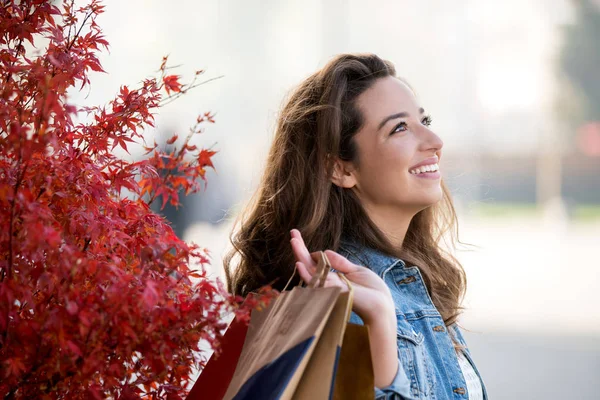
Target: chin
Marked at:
429, 201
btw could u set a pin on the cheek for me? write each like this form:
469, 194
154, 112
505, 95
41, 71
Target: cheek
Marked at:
385, 173
393, 160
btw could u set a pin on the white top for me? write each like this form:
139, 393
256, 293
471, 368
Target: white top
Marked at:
473, 382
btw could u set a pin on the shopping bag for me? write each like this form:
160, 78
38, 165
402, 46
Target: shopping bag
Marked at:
354, 378
218, 371
281, 339
318, 378
293, 346
341, 365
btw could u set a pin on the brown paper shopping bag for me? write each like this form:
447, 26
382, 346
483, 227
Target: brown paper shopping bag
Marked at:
281, 339
341, 366
293, 346
354, 379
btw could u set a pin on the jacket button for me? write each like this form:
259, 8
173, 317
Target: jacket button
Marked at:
407, 280
459, 390
439, 328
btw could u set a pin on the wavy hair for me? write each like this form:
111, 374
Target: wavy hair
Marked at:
319, 120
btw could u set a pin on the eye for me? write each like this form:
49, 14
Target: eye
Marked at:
401, 127
397, 128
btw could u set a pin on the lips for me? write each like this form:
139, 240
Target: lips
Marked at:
428, 161
425, 169
428, 168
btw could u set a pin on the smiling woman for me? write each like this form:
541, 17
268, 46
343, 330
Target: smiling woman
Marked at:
354, 168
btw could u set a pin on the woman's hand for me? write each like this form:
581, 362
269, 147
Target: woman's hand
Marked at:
372, 297
372, 302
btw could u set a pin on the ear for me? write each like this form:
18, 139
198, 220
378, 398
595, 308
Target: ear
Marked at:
344, 174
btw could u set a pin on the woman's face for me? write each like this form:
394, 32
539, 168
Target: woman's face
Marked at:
393, 142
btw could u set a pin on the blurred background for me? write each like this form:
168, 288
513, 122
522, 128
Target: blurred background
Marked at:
514, 91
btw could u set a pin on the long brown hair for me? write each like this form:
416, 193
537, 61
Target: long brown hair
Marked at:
319, 120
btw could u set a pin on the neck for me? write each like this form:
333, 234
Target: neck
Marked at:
392, 222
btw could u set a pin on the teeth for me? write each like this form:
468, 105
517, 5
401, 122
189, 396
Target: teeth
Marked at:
425, 168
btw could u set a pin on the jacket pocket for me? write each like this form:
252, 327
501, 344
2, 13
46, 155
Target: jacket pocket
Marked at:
413, 357
406, 332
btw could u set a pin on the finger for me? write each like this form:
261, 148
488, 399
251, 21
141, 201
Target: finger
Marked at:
297, 235
303, 271
301, 252
341, 263
334, 280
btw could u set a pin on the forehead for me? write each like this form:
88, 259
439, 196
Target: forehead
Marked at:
387, 96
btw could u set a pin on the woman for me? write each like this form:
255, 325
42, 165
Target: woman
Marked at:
354, 167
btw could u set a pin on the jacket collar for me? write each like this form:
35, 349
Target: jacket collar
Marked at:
374, 259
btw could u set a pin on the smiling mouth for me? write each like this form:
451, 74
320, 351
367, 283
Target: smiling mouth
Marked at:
425, 169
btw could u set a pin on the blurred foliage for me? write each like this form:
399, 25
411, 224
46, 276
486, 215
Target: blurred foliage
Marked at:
579, 66
578, 213
587, 213
504, 209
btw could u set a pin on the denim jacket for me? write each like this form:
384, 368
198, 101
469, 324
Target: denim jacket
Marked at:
428, 364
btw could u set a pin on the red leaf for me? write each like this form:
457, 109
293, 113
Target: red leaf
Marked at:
180, 181
128, 394
94, 392
15, 367
172, 83
204, 158
150, 297
172, 140
95, 66
74, 348
72, 308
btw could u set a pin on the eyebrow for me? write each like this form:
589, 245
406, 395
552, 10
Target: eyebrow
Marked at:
395, 116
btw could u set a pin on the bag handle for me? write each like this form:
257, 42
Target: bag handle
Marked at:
323, 268
326, 267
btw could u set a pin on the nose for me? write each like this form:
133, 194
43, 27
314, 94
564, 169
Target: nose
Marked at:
430, 141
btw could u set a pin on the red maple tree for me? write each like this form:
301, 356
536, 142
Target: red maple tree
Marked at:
98, 297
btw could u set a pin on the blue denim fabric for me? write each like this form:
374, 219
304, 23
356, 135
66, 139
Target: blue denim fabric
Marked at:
428, 364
